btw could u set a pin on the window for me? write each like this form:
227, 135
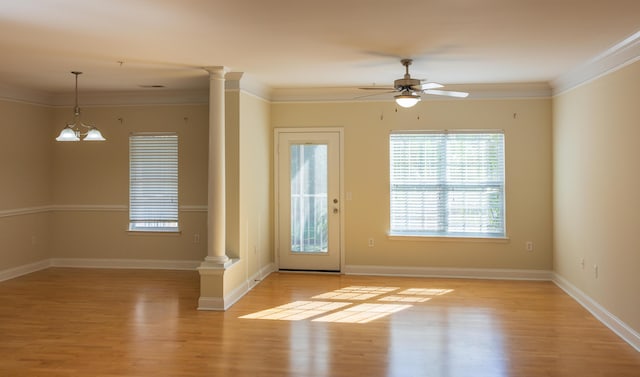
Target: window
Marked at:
153, 182
447, 183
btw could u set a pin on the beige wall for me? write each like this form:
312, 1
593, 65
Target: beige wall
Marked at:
248, 183
81, 189
366, 129
91, 185
25, 176
256, 194
232, 177
25, 151
596, 181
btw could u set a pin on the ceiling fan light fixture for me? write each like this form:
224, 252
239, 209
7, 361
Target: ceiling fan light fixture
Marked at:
410, 88
407, 99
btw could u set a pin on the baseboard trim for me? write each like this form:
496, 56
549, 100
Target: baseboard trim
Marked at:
146, 264
603, 315
446, 272
259, 276
211, 304
15, 272
236, 294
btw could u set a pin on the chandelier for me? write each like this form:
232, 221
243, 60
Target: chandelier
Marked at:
73, 131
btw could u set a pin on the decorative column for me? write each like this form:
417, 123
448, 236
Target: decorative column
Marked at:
216, 215
222, 281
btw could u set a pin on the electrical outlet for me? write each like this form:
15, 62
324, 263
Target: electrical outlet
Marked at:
529, 245
371, 242
595, 270
196, 238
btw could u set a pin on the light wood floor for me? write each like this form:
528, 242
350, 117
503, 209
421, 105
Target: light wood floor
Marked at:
90, 322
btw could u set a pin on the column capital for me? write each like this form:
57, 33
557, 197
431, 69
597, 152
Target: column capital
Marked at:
217, 71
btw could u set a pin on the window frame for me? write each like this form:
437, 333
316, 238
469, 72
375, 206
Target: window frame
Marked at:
443, 227
168, 214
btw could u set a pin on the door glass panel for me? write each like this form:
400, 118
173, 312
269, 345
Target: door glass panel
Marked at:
309, 207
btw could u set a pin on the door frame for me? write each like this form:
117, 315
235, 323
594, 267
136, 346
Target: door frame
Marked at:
276, 171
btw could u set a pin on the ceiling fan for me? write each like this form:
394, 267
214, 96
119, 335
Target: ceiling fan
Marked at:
410, 88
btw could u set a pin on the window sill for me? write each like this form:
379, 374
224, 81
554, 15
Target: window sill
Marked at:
155, 231
412, 237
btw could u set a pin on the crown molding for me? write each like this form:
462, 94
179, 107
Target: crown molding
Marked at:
618, 56
121, 98
234, 81
243, 82
135, 98
16, 94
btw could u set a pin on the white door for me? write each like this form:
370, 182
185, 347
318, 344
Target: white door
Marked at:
308, 204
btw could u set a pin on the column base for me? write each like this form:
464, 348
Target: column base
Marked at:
221, 285
216, 261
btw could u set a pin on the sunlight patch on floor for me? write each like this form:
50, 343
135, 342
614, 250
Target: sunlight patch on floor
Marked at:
362, 313
425, 291
404, 299
297, 310
389, 301
359, 293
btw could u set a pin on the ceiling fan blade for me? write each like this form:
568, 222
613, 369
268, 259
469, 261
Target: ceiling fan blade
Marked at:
377, 88
427, 86
447, 93
376, 94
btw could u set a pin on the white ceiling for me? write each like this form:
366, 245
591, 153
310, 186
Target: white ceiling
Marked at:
302, 43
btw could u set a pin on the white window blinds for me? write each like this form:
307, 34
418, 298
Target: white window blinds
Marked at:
153, 182
447, 183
